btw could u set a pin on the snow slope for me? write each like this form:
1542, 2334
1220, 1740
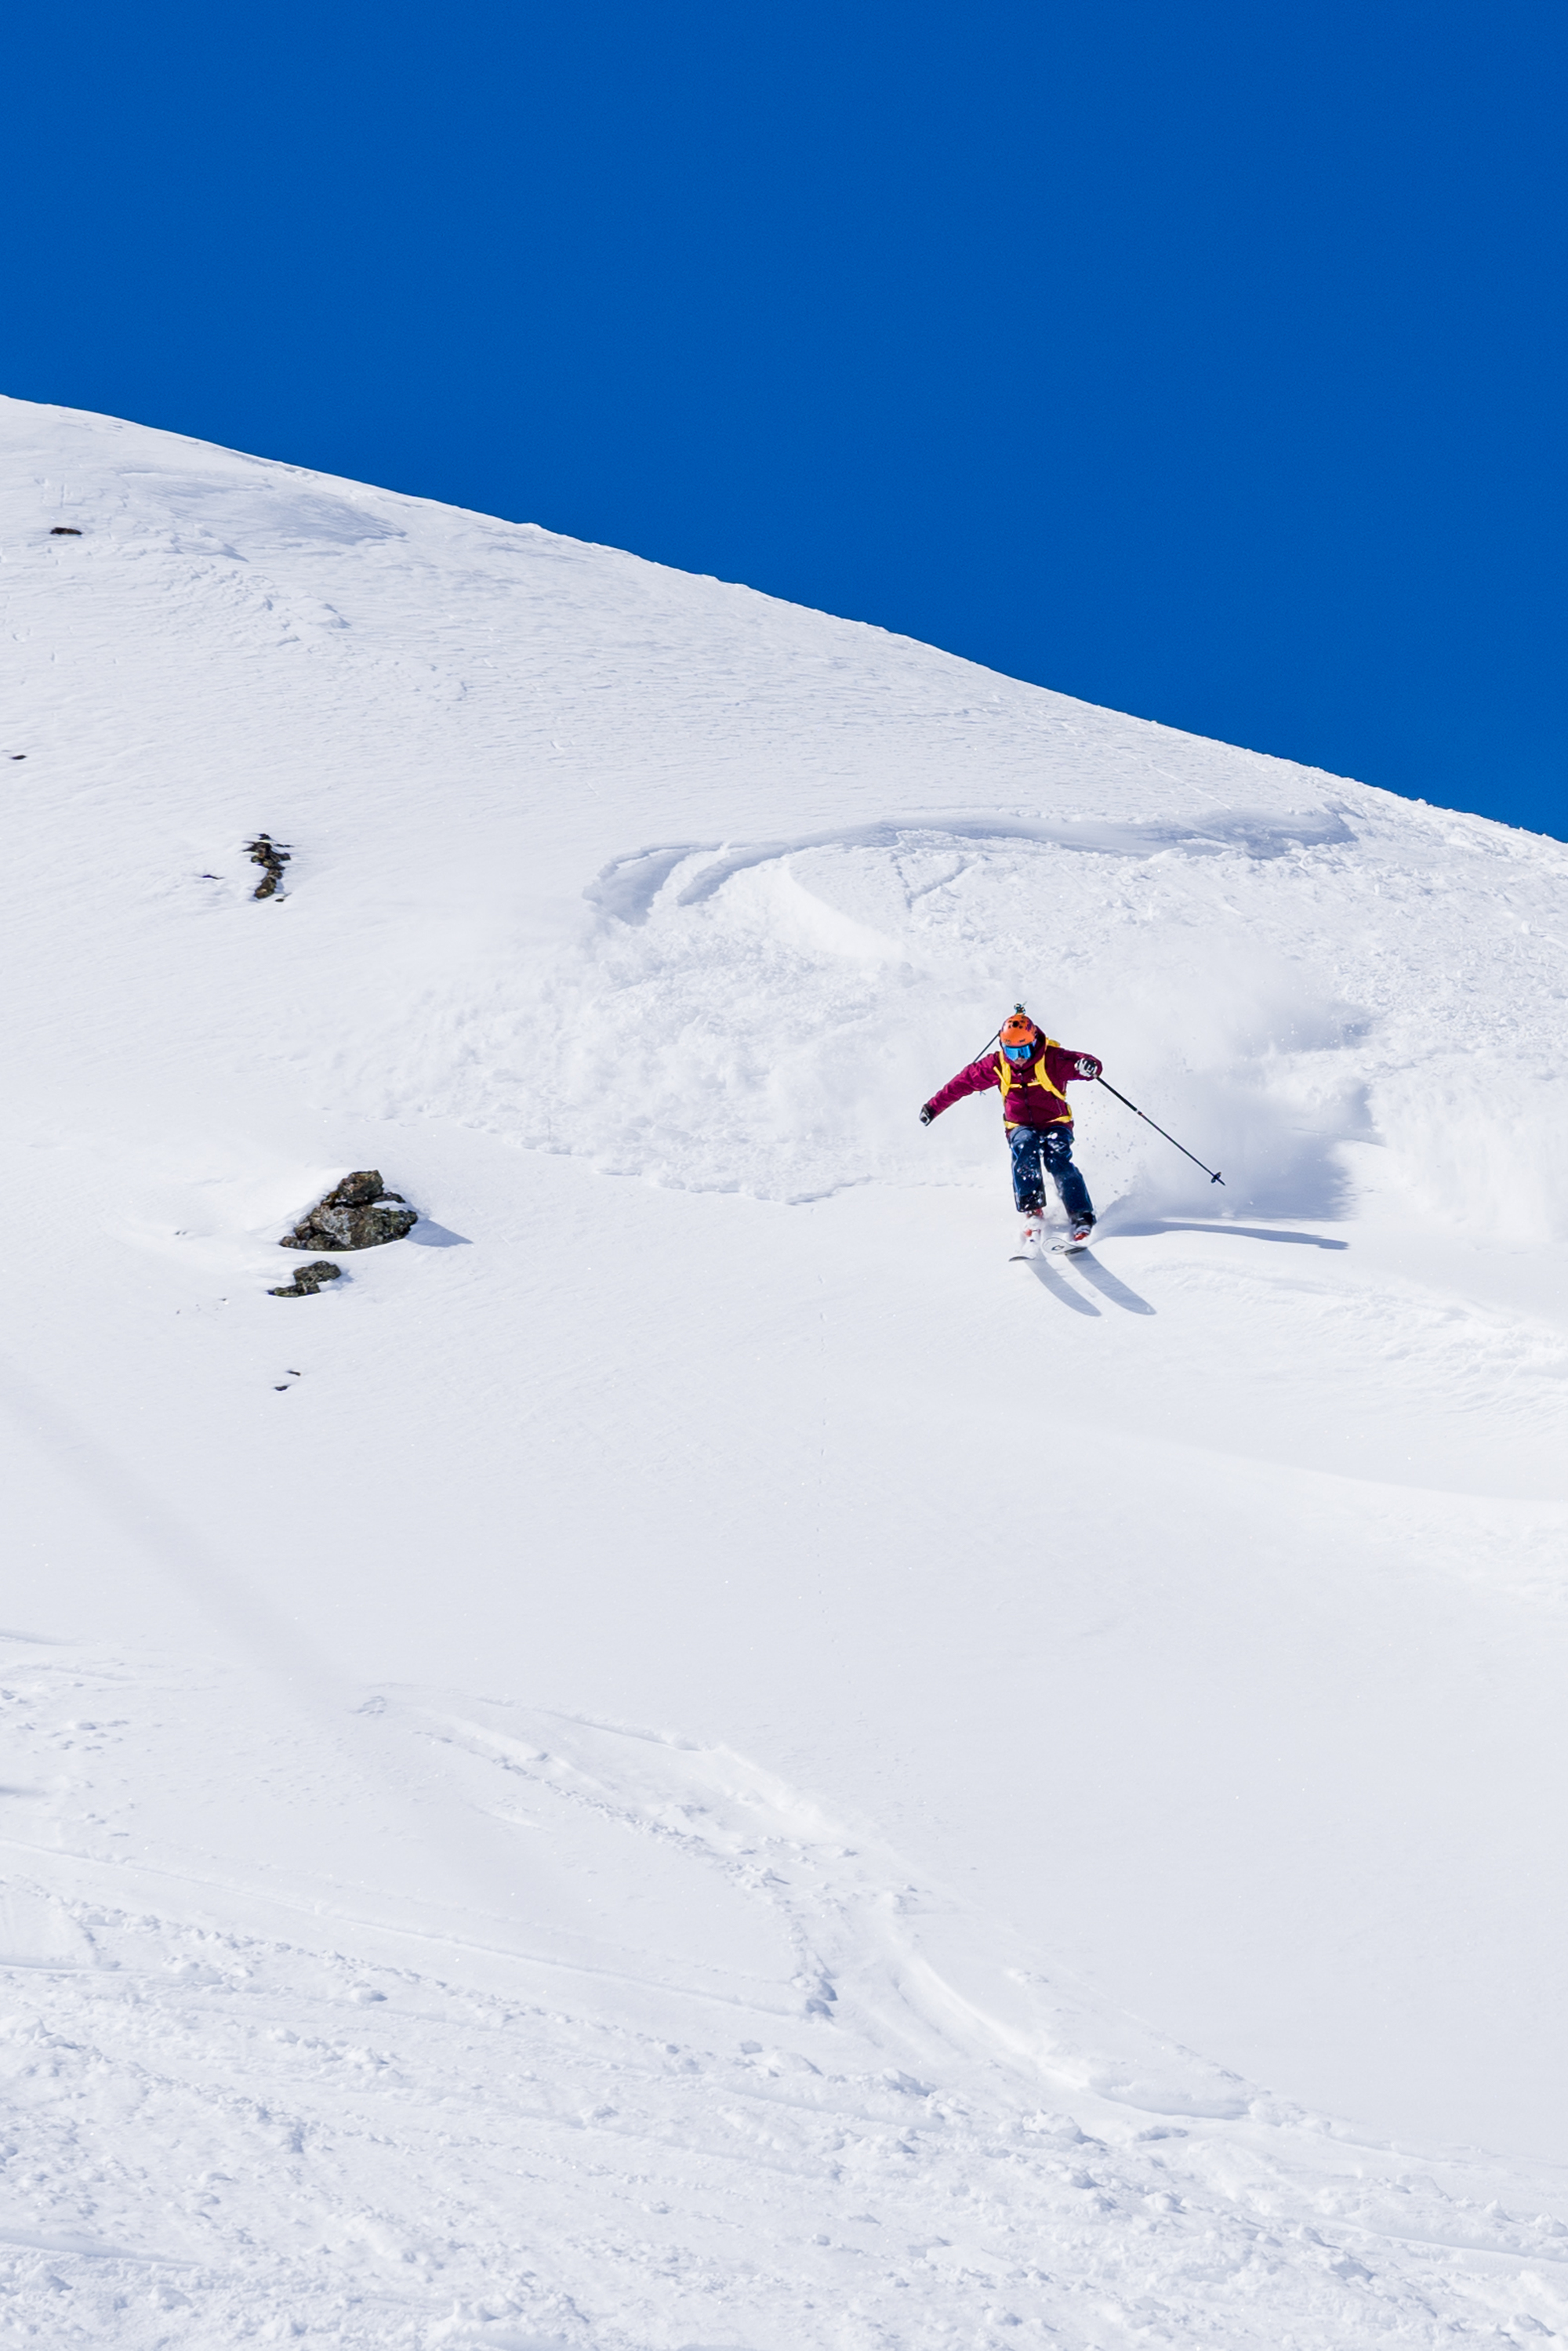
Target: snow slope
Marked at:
691, 1756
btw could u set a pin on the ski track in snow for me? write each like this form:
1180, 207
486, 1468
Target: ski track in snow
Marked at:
567, 1793
370, 2150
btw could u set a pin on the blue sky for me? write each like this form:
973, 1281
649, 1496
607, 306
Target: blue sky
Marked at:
1203, 359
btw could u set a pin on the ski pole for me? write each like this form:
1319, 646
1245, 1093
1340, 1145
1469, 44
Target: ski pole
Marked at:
1213, 1176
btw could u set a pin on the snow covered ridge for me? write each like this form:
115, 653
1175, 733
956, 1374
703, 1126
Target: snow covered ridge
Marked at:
696, 1760
1314, 966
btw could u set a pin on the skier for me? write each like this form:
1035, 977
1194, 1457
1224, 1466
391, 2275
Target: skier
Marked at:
1033, 1072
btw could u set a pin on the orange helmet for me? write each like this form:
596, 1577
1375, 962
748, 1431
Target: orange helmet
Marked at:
1019, 1035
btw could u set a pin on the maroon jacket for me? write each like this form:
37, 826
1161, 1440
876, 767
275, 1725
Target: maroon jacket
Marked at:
1034, 1093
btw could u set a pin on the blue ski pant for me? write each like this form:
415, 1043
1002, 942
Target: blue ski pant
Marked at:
1037, 1148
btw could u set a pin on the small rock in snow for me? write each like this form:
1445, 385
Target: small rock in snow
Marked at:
308, 1279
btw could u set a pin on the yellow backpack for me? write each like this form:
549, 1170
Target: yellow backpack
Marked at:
1008, 1077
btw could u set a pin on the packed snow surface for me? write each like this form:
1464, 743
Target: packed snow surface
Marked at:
690, 1757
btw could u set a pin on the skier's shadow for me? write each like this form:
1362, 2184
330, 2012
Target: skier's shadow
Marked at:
1108, 1285
1049, 1279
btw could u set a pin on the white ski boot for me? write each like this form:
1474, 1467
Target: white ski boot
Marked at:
1030, 1233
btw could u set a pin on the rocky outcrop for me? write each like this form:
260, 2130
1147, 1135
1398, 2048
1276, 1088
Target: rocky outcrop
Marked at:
309, 1279
272, 857
355, 1214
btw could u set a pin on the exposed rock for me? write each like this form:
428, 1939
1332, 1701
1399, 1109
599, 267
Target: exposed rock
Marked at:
65, 530
272, 857
309, 1279
355, 1214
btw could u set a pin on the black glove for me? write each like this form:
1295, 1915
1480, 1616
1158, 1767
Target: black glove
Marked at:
926, 1113
1087, 1067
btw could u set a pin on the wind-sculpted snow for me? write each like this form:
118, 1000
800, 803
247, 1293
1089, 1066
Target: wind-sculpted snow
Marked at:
628, 885
694, 1761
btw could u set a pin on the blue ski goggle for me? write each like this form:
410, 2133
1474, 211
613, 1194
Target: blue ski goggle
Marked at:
1017, 1052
